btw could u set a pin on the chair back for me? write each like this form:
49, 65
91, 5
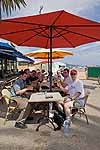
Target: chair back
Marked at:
7, 95
85, 98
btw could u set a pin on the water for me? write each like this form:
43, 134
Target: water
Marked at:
51, 114
50, 106
66, 127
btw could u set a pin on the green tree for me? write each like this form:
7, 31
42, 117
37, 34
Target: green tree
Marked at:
10, 5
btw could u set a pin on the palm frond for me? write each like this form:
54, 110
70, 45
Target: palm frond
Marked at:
9, 5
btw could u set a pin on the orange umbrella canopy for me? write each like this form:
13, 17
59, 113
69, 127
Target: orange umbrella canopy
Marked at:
44, 53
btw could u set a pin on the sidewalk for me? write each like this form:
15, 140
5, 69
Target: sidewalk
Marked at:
81, 136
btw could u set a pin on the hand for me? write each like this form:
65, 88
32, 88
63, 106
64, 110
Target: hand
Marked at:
29, 87
67, 100
59, 84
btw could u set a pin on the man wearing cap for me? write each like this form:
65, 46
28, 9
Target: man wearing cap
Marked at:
76, 94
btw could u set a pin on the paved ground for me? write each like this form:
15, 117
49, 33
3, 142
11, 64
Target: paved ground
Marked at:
81, 136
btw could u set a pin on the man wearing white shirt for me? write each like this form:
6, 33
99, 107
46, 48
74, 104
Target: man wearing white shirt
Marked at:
63, 85
67, 79
76, 94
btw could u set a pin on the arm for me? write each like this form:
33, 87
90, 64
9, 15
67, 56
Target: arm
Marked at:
19, 91
76, 96
64, 89
79, 90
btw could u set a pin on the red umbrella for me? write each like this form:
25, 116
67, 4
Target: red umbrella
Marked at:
51, 30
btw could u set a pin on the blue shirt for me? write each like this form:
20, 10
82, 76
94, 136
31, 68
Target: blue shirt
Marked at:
18, 85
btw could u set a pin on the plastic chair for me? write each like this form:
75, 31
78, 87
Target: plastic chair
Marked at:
9, 101
80, 110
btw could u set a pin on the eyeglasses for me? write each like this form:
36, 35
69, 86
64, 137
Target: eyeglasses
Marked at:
73, 74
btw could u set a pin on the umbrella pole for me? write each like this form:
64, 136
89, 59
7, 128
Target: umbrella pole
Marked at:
50, 71
41, 67
48, 64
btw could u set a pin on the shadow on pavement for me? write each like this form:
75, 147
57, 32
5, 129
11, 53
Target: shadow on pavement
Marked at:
94, 107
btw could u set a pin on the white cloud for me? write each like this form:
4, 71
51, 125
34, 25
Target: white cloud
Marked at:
90, 59
88, 54
74, 6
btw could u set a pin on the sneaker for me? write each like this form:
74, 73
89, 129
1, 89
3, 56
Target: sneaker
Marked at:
20, 125
67, 123
51, 115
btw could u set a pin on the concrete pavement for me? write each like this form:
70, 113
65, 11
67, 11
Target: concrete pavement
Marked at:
81, 136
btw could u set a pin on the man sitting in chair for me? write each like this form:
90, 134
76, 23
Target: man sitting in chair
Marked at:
19, 93
76, 94
65, 82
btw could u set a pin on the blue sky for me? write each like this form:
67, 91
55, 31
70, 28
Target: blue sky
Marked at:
84, 55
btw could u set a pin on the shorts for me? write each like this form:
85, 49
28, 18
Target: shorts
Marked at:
78, 103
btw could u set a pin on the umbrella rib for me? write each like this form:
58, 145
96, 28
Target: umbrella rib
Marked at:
82, 25
15, 32
81, 34
57, 17
84, 35
47, 42
68, 31
18, 31
29, 23
7, 50
44, 31
41, 31
11, 54
64, 53
65, 39
61, 34
32, 37
57, 55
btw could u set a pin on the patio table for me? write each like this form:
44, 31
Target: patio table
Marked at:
45, 97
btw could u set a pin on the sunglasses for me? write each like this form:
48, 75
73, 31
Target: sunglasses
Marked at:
73, 74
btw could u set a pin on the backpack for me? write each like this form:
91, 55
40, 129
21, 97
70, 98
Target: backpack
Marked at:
59, 118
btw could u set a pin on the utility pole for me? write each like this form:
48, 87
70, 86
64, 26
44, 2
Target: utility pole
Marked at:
41, 7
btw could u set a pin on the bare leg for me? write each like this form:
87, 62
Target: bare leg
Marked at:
67, 108
60, 106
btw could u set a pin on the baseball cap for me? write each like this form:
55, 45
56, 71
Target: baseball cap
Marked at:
73, 72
